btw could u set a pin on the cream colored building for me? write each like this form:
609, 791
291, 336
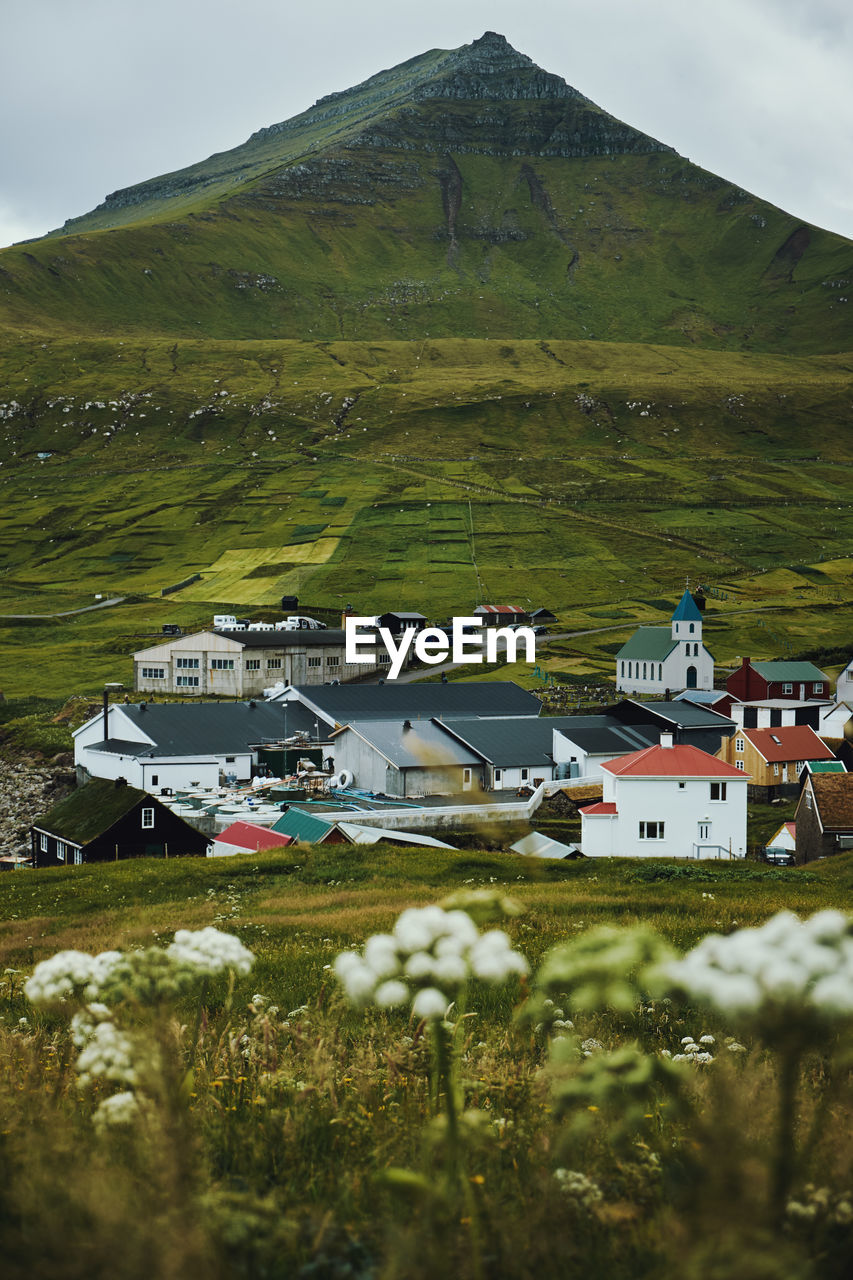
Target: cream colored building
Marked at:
243, 663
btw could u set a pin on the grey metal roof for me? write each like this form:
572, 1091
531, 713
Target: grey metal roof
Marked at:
214, 728
508, 742
342, 704
603, 733
425, 745
285, 639
686, 714
702, 697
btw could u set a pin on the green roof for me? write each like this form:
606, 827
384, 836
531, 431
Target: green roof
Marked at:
686, 610
788, 671
826, 766
654, 643
303, 826
90, 811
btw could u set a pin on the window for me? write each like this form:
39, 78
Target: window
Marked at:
818, 686
718, 790
61, 848
739, 765
253, 664
153, 673
188, 664
273, 664
660, 671
222, 664
622, 668
78, 857
681, 786
738, 744
315, 662
186, 682
466, 777
155, 779
692, 628
800, 764
230, 759
704, 830
384, 659
644, 670
525, 774
651, 830
147, 819
787, 688
776, 770
333, 662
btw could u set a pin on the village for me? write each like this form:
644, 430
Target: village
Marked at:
278, 739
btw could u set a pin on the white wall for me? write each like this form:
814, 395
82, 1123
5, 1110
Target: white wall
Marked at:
681, 809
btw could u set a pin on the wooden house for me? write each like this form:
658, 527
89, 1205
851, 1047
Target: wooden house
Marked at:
500, 615
774, 757
108, 821
824, 817
760, 681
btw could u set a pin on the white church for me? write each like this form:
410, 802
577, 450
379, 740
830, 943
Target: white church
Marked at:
660, 659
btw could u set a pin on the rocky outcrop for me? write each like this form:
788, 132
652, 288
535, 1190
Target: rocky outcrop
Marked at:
26, 792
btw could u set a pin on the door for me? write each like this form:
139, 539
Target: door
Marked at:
691, 677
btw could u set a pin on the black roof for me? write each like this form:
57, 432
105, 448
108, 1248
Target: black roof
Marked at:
304, 638
685, 714
342, 703
604, 733
210, 728
506, 742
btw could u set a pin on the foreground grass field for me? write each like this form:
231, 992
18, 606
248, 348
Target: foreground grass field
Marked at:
311, 1139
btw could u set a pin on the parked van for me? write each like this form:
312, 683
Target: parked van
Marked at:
224, 622
261, 626
299, 622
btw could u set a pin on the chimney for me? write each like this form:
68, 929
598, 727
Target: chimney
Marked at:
666, 740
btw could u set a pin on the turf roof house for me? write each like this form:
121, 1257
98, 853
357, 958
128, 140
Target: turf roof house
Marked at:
659, 659
824, 816
667, 801
243, 664
760, 681
108, 822
178, 744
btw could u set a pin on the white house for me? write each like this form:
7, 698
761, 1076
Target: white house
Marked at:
657, 659
836, 719
667, 801
844, 685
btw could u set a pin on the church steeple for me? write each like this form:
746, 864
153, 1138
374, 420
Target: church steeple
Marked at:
687, 620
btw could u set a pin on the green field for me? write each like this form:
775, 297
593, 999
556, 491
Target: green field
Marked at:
306, 1140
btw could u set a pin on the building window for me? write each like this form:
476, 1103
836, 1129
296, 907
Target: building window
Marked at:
253, 664
776, 770
153, 673
147, 819
718, 790
651, 830
787, 688
800, 764
692, 628
315, 662
622, 668
78, 857
273, 664
384, 659
818, 686
525, 774
739, 765
681, 786
60, 850
222, 664
738, 744
644, 671
43, 842
186, 682
466, 776
333, 662
660, 671
230, 759
188, 664
155, 779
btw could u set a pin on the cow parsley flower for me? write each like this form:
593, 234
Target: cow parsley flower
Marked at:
118, 1112
430, 956
210, 951
108, 1055
578, 1187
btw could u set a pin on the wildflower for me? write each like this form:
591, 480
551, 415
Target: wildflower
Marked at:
604, 967
119, 1111
107, 1055
210, 951
578, 1187
428, 958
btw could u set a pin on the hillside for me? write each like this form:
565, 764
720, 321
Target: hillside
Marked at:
453, 335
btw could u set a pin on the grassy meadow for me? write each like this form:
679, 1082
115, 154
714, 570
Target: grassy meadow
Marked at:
308, 1139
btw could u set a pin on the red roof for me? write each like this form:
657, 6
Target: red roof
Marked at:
679, 761
604, 807
248, 836
788, 742
791, 829
499, 608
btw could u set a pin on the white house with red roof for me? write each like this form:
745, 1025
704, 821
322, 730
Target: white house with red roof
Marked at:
246, 837
667, 801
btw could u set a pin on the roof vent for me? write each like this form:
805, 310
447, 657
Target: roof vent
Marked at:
666, 740
142, 706
121, 782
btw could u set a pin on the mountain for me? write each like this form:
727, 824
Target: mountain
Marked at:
453, 336
462, 193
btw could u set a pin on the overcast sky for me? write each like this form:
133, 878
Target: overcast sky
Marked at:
99, 94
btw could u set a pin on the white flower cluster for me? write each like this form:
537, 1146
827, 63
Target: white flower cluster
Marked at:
210, 951
578, 1187
67, 974
785, 964
108, 1055
820, 1204
117, 1112
428, 958
693, 1053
